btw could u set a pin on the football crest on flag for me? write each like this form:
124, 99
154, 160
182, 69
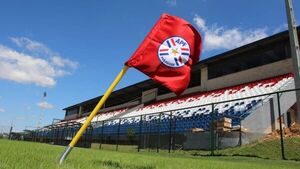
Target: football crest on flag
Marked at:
168, 52
174, 52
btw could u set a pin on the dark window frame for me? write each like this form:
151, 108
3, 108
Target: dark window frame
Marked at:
254, 58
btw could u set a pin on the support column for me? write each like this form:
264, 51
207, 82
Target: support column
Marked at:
80, 111
204, 78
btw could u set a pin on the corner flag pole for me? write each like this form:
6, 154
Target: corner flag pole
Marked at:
91, 116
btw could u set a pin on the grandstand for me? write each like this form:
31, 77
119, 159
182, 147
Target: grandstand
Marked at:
232, 98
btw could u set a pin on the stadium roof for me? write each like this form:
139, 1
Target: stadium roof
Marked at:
122, 94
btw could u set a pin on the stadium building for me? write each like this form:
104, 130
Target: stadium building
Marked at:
232, 99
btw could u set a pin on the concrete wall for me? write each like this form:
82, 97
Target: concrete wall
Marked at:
196, 141
257, 73
202, 141
264, 119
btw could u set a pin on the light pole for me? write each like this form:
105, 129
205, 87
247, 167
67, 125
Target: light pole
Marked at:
10, 130
294, 44
42, 113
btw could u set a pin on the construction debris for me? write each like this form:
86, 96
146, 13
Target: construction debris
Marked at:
293, 131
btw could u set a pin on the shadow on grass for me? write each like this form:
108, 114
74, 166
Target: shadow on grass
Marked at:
229, 155
241, 155
116, 164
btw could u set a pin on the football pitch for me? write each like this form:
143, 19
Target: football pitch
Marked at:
29, 155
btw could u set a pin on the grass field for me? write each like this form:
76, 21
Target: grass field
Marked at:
28, 155
270, 149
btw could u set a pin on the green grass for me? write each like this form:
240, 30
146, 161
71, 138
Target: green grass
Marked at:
28, 155
268, 149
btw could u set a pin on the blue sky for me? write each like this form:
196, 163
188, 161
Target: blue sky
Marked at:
74, 49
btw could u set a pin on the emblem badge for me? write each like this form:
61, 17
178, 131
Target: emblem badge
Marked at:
174, 52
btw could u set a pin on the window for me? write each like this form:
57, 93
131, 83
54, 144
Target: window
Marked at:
72, 111
251, 59
195, 78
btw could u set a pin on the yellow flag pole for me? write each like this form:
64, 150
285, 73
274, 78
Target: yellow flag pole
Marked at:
91, 116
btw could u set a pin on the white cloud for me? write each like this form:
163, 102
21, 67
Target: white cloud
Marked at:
58, 61
171, 2
30, 45
280, 28
45, 105
41, 49
200, 22
219, 37
23, 68
2, 110
40, 67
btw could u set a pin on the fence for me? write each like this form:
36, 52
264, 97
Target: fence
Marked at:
210, 129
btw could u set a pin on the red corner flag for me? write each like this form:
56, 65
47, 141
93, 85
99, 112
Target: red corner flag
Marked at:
168, 52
